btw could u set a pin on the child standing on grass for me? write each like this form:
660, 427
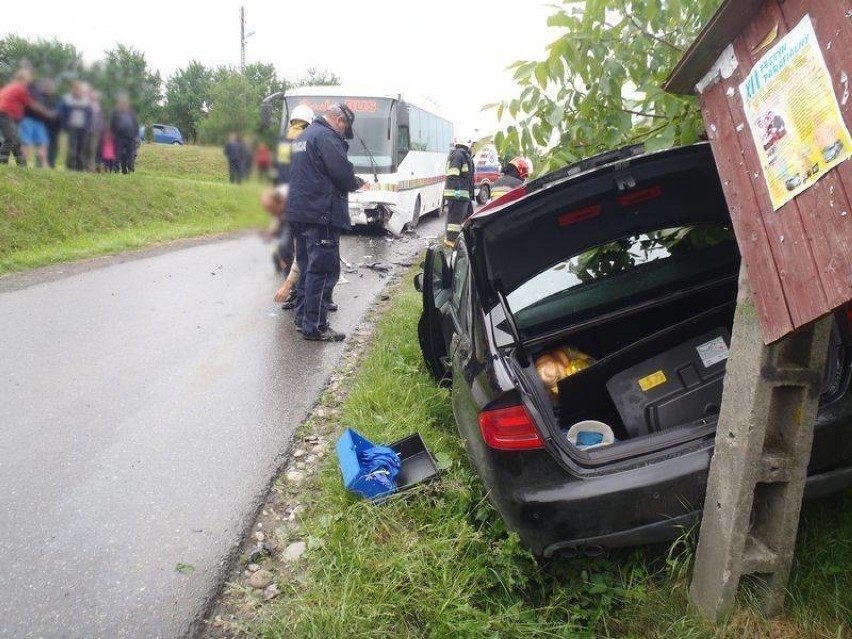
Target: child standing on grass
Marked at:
33, 130
108, 152
15, 98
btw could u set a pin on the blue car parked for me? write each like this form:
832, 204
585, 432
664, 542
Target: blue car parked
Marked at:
162, 134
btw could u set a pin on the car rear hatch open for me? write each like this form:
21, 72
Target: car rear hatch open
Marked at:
668, 304
586, 205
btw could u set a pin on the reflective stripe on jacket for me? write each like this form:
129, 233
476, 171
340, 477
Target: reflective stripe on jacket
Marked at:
503, 185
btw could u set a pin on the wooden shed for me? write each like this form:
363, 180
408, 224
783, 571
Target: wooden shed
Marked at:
798, 254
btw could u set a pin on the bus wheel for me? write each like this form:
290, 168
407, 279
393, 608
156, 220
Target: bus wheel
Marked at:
415, 216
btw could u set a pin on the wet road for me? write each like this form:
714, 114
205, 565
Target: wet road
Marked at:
145, 405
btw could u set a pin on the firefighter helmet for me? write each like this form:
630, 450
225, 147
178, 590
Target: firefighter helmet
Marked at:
523, 165
303, 113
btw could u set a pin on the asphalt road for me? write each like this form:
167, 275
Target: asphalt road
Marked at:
145, 406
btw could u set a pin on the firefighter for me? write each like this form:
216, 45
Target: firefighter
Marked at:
458, 189
301, 117
514, 174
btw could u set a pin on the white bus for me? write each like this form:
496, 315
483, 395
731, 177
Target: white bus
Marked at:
404, 160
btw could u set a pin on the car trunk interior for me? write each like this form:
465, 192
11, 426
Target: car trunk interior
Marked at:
629, 350
631, 346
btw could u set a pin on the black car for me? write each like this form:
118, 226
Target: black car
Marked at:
620, 273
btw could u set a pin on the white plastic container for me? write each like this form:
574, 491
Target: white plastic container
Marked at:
591, 426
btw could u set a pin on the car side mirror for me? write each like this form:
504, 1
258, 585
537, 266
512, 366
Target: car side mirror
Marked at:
265, 114
418, 282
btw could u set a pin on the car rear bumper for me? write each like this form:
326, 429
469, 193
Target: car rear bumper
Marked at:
644, 505
818, 486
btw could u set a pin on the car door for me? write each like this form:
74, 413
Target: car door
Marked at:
158, 134
464, 365
435, 283
458, 315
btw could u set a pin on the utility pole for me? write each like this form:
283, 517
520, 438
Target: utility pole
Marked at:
243, 40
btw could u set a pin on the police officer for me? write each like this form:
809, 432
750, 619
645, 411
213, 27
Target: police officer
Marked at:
458, 190
515, 173
321, 178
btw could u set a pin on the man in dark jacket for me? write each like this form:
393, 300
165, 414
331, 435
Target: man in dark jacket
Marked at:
234, 154
125, 132
76, 113
321, 178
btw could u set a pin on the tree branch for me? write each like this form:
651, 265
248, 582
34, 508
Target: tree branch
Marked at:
656, 38
644, 115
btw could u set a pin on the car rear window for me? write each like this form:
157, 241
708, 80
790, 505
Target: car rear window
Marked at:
625, 272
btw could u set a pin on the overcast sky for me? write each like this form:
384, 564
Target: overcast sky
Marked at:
455, 51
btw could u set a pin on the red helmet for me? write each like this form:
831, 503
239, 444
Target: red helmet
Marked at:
523, 165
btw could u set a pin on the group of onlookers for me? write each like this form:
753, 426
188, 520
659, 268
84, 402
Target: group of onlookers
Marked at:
242, 158
33, 116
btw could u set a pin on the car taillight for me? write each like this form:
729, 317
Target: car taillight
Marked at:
572, 217
509, 429
637, 197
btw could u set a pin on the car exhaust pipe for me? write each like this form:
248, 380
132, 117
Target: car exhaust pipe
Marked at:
593, 551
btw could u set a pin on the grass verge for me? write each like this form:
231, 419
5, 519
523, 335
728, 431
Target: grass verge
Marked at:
438, 562
56, 216
190, 162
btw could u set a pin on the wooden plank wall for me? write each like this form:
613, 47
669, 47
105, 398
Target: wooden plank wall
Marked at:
799, 258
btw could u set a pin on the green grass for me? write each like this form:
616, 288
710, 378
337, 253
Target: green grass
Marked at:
205, 163
438, 562
56, 216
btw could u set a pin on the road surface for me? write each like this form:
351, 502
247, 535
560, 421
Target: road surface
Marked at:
145, 406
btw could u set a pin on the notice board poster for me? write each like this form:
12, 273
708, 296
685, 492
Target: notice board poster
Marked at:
794, 116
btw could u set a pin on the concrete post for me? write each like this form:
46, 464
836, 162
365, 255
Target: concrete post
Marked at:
757, 474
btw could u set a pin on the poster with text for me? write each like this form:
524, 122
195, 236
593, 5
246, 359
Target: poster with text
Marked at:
794, 116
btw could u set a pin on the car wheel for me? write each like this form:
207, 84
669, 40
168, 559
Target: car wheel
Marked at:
176, 143
484, 194
415, 216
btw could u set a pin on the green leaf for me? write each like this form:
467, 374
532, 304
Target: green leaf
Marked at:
185, 568
541, 75
443, 461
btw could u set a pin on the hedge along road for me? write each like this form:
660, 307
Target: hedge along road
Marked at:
145, 405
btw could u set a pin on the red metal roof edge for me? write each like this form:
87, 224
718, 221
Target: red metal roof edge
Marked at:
726, 24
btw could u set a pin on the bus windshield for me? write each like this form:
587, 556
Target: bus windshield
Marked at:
372, 124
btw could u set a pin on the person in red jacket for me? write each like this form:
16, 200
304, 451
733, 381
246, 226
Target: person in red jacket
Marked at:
15, 99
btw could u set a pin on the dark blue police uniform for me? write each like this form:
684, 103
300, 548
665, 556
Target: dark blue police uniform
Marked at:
321, 178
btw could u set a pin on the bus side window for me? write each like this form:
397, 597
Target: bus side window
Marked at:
403, 143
